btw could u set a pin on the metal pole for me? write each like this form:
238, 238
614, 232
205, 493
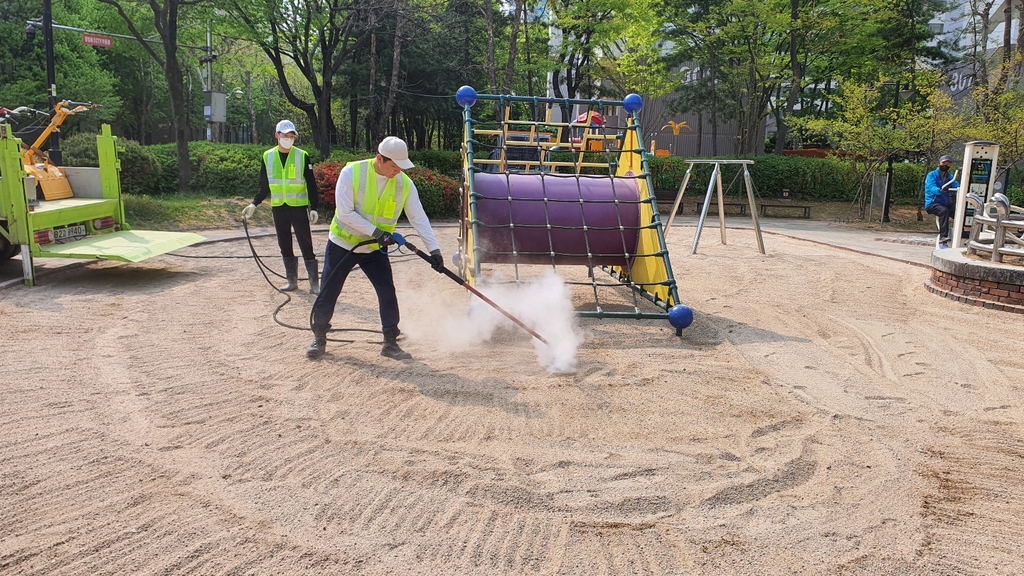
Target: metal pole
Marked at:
51, 81
888, 171
209, 80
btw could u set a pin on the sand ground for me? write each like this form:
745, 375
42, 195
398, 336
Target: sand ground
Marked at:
824, 414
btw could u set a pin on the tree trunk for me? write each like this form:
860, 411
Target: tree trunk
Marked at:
492, 73
372, 110
254, 135
714, 106
796, 81
513, 46
396, 61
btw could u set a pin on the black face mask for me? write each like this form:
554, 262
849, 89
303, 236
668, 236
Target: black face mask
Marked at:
943, 169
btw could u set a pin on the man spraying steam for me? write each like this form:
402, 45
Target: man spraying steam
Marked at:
371, 195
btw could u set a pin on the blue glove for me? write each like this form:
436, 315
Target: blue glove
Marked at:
388, 238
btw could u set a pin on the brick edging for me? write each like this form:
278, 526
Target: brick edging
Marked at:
974, 294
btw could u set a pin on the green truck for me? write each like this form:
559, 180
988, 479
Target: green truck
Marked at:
90, 224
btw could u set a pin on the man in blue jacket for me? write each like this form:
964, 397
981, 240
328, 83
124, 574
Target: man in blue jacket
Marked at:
937, 185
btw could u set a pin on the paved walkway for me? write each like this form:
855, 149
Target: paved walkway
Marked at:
909, 247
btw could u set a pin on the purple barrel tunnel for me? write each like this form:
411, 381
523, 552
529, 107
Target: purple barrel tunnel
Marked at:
519, 200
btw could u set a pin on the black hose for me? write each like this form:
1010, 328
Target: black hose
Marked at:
264, 268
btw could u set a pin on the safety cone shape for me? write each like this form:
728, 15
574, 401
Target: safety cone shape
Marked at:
291, 273
312, 271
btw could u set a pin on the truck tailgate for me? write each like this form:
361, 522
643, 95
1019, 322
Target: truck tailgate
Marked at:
126, 246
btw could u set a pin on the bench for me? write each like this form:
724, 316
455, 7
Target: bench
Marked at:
805, 208
665, 199
742, 205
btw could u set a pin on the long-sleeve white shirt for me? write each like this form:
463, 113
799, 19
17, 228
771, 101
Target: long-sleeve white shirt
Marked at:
350, 219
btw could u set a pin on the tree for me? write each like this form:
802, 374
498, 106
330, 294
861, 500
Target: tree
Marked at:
317, 37
872, 128
79, 72
585, 28
165, 17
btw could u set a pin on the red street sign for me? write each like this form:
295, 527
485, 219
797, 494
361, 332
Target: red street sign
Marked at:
97, 40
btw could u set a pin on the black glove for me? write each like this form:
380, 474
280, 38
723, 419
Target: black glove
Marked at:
383, 238
436, 260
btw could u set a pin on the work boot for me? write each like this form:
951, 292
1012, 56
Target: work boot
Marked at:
314, 275
291, 273
392, 350
316, 349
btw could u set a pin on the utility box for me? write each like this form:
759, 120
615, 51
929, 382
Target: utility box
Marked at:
215, 106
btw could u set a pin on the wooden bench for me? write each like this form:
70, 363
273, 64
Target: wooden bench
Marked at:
665, 199
805, 208
742, 205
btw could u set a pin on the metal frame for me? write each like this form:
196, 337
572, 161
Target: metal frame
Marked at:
713, 183
469, 229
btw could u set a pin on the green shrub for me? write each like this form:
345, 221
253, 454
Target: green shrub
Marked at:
139, 168
807, 179
80, 150
908, 183
439, 194
344, 156
225, 169
217, 169
166, 156
447, 162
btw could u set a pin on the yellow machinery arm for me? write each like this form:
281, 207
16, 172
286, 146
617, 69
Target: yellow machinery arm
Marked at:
60, 112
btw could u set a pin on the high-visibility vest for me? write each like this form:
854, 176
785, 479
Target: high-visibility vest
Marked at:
382, 211
287, 183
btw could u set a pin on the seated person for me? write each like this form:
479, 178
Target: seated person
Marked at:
937, 186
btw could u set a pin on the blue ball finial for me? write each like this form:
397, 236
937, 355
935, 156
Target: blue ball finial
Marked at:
466, 96
680, 316
632, 103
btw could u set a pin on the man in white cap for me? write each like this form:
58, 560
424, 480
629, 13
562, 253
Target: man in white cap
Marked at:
287, 177
937, 185
371, 195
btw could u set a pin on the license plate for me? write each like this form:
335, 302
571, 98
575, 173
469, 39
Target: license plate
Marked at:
69, 233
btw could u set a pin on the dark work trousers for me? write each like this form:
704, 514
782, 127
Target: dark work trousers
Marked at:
297, 217
942, 212
377, 268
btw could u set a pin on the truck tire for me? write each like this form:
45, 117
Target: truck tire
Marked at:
7, 250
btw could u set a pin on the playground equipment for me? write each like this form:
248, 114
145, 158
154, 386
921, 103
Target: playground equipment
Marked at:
998, 227
979, 169
570, 203
715, 184
81, 214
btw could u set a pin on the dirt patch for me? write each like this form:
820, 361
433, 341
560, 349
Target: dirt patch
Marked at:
824, 414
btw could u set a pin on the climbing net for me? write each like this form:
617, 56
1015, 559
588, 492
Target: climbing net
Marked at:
577, 194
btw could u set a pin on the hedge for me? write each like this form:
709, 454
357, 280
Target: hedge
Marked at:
808, 179
139, 168
233, 170
439, 194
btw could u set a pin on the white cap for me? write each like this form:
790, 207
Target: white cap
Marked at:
286, 126
395, 149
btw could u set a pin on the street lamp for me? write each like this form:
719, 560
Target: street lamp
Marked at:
46, 23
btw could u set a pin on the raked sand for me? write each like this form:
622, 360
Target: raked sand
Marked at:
824, 414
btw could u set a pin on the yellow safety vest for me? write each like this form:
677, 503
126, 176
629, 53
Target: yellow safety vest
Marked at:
287, 183
382, 211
